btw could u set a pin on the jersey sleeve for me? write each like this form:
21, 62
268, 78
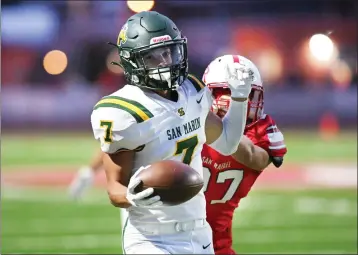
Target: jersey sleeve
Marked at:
115, 129
274, 139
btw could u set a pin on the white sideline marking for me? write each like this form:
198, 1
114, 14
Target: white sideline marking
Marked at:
334, 207
331, 175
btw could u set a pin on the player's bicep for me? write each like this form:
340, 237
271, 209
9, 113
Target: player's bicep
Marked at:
251, 155
213, 127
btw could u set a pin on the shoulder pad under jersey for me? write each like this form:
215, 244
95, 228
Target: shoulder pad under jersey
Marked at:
197, 83
204, 95
115, 122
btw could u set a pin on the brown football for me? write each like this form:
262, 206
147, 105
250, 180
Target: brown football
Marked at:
173, 181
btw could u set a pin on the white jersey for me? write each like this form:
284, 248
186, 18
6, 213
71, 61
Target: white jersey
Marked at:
157, 129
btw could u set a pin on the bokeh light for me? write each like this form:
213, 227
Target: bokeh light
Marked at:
321, 47
55, 62
311, 59
139, 6
341, 74
269, 63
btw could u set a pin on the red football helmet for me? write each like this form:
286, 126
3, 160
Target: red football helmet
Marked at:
215, 78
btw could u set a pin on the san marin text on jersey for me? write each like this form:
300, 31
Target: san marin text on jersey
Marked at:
188, 127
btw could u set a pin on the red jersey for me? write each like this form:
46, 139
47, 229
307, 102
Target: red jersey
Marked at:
227, 181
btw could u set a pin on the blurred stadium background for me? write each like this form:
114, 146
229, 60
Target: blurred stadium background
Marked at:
55, 66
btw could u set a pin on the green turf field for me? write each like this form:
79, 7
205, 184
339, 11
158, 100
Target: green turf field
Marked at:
39, 220
48, 149
284, 222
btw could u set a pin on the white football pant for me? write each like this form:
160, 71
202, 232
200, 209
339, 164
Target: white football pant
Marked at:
143, 241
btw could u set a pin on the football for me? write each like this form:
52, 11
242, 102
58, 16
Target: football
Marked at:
173, 181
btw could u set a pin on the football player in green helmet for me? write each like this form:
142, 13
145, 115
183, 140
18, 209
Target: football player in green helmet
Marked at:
152, 52
163, 114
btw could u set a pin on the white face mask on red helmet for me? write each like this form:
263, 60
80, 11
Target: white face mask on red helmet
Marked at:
215, 78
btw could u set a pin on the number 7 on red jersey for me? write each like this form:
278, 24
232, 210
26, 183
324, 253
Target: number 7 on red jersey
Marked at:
235, 175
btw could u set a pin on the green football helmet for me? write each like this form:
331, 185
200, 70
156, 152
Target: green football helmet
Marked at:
152, 51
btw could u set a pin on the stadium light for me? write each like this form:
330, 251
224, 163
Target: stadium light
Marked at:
55, 62
139, 6
321, 47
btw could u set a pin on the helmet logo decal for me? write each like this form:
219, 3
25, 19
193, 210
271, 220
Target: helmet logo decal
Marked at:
158, 39
122, 37
252, 75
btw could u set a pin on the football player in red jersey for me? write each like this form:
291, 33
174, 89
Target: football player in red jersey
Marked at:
228, 179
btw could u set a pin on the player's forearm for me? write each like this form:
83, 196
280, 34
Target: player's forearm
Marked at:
251, 155
118, 167
233, 125
117, 194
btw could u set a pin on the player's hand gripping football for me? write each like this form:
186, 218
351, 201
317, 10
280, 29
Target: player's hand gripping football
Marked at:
239, 79
141, 199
